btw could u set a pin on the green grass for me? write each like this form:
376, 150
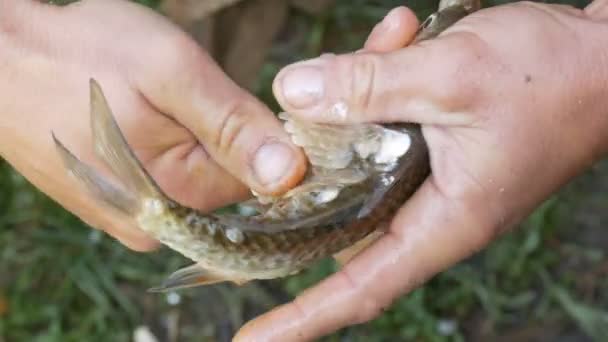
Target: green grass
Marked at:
63, 281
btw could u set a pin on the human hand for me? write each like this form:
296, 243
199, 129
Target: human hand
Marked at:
197, 133
512, 102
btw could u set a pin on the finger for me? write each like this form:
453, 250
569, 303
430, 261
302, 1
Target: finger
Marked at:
238, 131
421, 83
430, 233
180, 165
191, 177
395, 31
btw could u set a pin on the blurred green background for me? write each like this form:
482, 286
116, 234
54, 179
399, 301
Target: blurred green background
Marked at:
61, 281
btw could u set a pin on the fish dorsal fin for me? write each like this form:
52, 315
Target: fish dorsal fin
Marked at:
192, 276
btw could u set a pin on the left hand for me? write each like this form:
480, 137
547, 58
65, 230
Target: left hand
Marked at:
203, 139
512, 102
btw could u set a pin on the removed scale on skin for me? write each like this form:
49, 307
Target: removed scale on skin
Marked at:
358, 176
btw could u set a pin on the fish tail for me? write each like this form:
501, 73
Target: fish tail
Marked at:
111, 146
100, 188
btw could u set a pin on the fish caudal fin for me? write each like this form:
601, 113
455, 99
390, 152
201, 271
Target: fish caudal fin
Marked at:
112, 148
190, 276
103, 190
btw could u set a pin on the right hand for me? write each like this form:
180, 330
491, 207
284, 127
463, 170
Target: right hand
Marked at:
512, 104
202, 138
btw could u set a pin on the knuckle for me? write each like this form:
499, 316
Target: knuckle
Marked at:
471, 48
460, 74
178, 52
230, 125
362, 71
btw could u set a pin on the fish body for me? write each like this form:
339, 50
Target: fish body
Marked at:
359, 175
239, 254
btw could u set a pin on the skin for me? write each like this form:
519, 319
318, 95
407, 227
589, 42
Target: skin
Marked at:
510, 115
493, 160
196, 132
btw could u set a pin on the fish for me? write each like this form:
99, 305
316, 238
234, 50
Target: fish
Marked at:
358, 176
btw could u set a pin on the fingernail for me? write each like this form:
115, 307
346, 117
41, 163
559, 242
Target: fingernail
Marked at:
303, 87
271, 162
390, 22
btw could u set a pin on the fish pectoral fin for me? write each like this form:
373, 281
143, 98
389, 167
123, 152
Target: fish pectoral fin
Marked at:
347, 254
191, 276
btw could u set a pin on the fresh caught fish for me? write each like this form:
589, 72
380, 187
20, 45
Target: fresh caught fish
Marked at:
358, 176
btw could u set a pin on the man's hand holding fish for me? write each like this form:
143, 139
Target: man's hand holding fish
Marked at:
513, 105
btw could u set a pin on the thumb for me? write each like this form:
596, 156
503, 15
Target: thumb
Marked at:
237, 131
421, 83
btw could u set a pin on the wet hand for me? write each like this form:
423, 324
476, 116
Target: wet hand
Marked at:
203, 139
512, 101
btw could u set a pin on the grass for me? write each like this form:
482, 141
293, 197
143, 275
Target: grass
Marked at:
61, 281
